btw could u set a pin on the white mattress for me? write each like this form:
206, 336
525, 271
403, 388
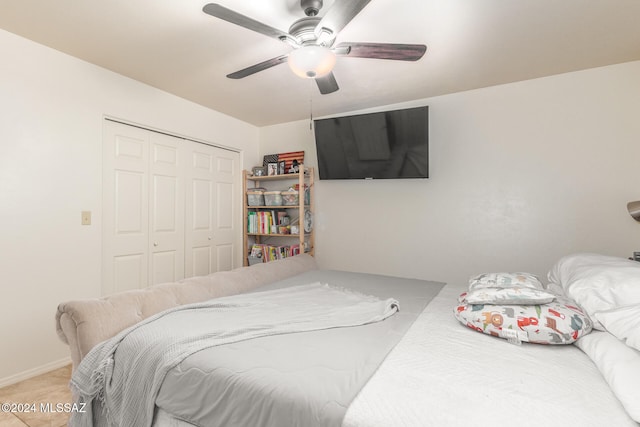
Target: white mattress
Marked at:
443, 374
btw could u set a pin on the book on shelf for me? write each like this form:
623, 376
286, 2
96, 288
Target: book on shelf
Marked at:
265, 222
271, 252
261, 222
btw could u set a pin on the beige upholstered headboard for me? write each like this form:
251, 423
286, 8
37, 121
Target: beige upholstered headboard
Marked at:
84, 323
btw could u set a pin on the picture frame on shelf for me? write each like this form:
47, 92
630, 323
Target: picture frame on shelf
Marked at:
295, 167
281, 167
292, 160
272, 169
259, 171
269, 158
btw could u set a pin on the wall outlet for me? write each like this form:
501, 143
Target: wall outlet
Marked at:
86, 218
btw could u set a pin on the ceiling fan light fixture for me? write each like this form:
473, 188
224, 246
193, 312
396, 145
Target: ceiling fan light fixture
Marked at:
312, 61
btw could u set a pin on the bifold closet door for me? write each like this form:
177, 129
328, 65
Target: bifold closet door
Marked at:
170, 208
143, 208
212, 231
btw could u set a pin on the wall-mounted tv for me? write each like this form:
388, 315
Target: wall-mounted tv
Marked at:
384, 145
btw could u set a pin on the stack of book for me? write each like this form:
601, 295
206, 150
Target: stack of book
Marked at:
271, 253
264, 222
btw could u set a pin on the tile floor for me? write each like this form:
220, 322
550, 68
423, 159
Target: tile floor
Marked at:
50, 388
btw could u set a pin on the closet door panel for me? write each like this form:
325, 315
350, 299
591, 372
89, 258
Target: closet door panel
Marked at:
212, 236
125, 208
129, 206
164, 266
224, 256
166, 240
224, 224
200, 262
201, 216
129, 271
202, 191
199, 211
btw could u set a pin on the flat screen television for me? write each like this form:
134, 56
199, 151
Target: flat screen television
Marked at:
384, 145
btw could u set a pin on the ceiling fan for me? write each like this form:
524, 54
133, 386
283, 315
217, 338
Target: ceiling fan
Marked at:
313, 37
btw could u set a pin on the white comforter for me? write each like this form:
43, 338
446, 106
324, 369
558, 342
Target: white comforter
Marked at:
443, 374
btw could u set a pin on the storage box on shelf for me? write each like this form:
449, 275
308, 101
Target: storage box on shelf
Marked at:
270, 212
255, 197
273, 198
290, 198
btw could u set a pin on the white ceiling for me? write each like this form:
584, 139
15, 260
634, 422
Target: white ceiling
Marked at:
174, 46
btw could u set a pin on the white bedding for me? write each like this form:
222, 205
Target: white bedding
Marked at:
305, 379
443, 374
620, 366
120, 378
608, 289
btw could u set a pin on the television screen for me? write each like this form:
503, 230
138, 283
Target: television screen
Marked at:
384, 145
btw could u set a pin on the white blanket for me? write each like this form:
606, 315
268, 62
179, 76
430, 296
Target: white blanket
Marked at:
144, 353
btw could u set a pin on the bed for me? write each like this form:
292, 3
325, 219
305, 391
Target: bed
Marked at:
417, 367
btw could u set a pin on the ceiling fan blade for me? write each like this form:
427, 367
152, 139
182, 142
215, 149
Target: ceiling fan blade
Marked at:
229, 15
327, 84
393, 51
258, 67
340, 14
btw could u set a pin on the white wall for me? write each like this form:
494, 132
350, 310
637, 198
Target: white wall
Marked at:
521, 174
51, 113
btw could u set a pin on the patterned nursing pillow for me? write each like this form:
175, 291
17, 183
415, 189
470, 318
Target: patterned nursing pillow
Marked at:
558, 322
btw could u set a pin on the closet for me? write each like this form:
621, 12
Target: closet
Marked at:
170, 208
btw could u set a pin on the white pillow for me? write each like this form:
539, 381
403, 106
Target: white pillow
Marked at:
624, 323
598, 282
510, 296
505, 280
620, 366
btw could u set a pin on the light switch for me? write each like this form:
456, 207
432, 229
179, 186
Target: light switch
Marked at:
86, 218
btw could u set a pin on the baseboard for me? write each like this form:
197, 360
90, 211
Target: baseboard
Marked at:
25, 375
